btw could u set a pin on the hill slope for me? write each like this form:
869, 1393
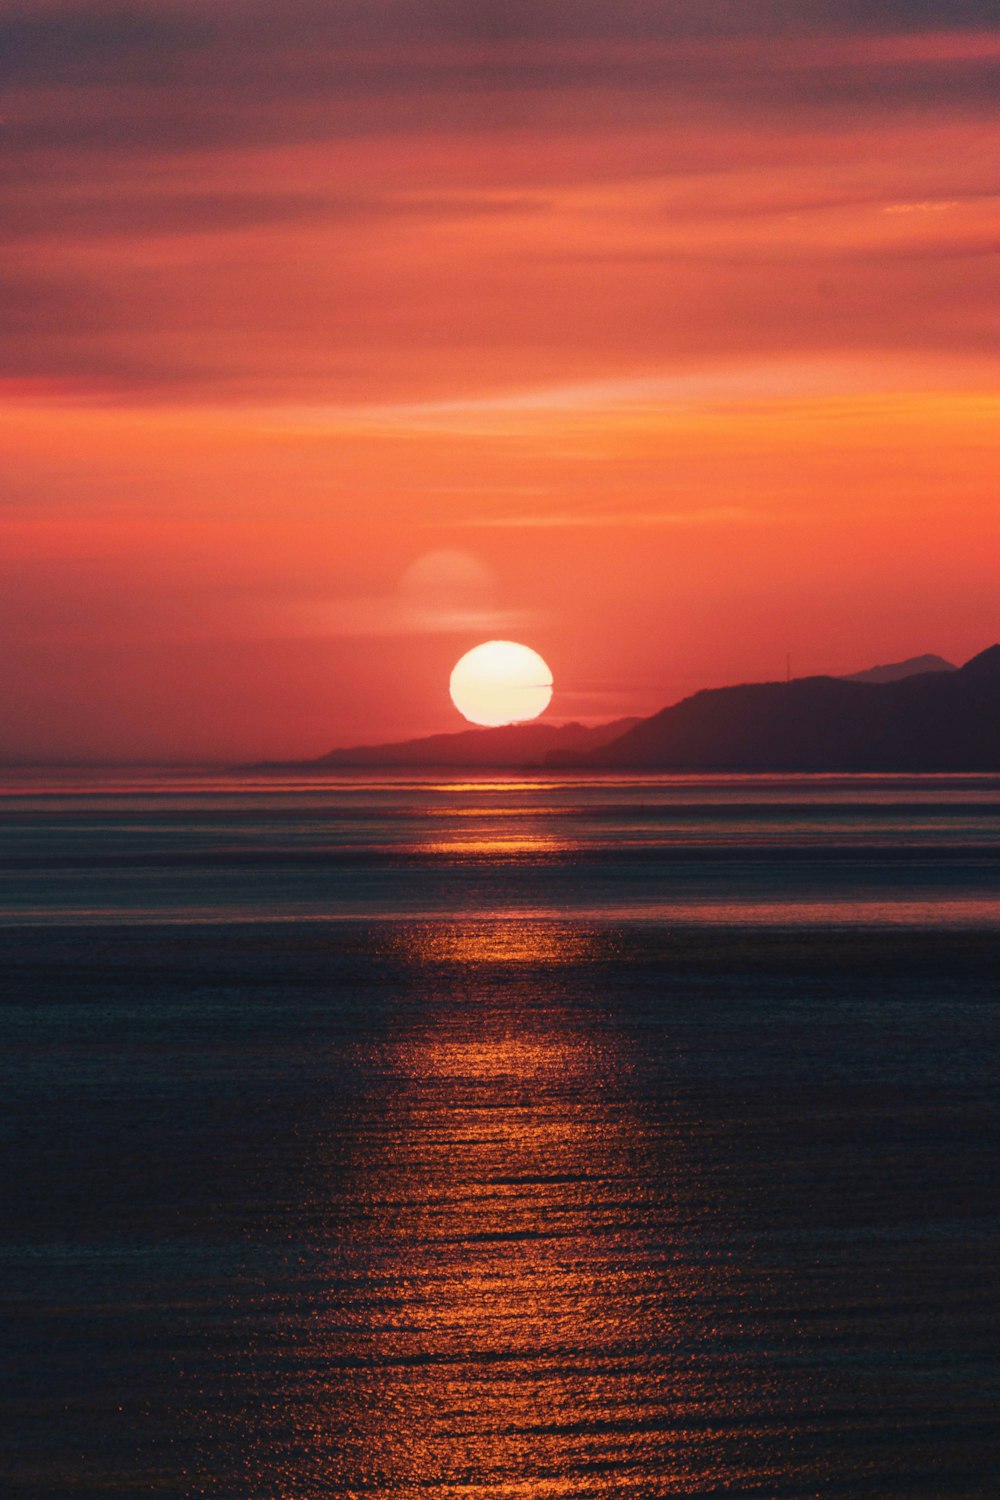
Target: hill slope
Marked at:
510, 746
936, 721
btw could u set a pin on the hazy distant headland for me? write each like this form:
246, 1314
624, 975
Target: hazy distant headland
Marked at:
920, 715
510, 746
894, 671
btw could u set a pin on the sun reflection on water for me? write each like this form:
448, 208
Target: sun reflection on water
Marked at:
497, 1311
507, 940
494, 846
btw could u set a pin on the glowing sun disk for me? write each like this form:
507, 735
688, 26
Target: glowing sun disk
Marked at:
501, 682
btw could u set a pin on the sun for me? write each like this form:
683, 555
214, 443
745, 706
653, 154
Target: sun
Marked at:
501, 682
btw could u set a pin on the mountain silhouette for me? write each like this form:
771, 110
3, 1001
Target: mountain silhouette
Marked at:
933, 721
893, 671
510, 745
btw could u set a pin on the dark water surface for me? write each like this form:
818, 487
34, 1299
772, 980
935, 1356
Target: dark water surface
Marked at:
529, 1139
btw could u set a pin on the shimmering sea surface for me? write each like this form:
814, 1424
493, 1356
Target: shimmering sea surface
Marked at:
505, 1137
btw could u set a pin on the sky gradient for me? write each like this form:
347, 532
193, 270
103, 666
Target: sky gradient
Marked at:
338, 339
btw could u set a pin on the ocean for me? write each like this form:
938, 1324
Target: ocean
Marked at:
499, 1136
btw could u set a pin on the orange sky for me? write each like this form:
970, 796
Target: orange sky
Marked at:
340, 338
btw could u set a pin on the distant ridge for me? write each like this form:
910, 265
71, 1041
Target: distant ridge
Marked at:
933, 721
511, 746
895, 671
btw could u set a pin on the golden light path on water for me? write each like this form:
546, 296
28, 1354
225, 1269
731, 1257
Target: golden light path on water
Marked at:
511, 1324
